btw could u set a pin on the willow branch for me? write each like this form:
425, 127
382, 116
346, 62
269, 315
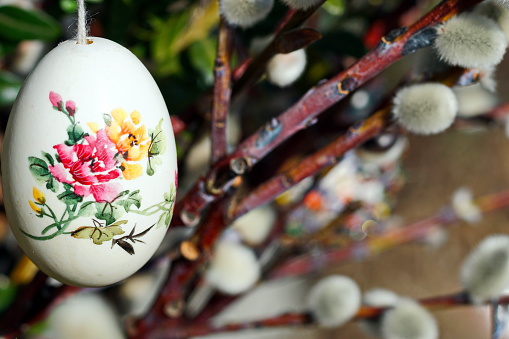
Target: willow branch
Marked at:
222, 91
393, 47
298, 319
306, 264
252, 69
313, 164
172, 298
33, 303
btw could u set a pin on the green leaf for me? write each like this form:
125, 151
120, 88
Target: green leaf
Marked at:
7, 294
10, 85
68, 6
97, 234
202, 54
52, 184
158, 143
21, 24
107, 119
75, 134
39, 169
108, 212
87, 209
134, 198
162, 220
70, 198
118, 223
48, 157
168, 217
121, 194
157, 147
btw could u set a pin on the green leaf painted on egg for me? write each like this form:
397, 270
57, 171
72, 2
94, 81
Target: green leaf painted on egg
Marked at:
39, 169
99, 234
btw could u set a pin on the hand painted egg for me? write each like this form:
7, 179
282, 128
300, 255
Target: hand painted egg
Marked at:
89, 164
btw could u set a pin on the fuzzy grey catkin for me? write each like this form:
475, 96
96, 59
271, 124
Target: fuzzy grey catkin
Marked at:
334, 300
245, 13
233, 268
426, 108
408, 320
471, 40
485, 272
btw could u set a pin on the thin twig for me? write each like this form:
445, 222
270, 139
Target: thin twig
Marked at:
306, 264
222, 91
167, 330
251, 70
311, 165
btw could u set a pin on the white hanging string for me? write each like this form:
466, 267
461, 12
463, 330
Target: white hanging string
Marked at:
82, 23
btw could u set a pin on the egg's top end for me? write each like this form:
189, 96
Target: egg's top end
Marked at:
93, 44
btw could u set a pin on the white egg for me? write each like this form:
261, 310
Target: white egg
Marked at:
89, 164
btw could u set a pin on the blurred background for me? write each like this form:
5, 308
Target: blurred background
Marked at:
176, 39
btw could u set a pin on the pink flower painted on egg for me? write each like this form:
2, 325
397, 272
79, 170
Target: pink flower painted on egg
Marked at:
70, 106
89, 167
56, 100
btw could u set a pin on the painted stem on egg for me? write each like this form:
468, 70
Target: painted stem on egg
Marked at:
304, 113
61, 224
222, 92
306, 264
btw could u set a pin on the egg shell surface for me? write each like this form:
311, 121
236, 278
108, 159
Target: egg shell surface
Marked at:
89, 164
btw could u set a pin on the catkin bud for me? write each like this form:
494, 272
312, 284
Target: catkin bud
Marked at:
233, 268
408, 320
334, 300
485, 272
284, 69
245, 13
427, 108
472, 41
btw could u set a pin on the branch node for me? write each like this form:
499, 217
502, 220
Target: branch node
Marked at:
239, 166
174, 308
393, 35
189, 250
189, 218
422, 38
269, 133
347, 85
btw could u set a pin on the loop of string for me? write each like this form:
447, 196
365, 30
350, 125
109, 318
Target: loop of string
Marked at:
81, 36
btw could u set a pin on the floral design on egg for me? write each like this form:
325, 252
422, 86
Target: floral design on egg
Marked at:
86, 175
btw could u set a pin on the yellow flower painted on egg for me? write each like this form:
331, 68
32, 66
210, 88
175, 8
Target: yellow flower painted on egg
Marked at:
131, 171
36, 208
38, 196
129, 136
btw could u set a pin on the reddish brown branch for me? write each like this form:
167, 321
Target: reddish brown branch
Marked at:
34, 302
222, 91
306, 264
167, 330
306, 110
251, 70
311, 165
171, 301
